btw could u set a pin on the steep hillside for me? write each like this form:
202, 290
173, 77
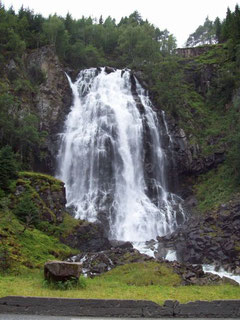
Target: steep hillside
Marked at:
34, 98
200, 93
35, 225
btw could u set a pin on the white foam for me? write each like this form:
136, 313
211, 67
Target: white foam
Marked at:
221, 272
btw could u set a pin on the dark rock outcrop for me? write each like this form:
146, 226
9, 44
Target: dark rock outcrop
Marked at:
109, 70
211, 238
96, 263
62, 270
194, 275
87, 237
54, 96
185, 159
121, 244
192, 52
188, 159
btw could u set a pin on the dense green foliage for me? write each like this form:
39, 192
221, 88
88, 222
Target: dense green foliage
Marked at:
84, 42
26, 210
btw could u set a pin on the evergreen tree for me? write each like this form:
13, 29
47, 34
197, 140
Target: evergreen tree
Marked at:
218, 28
8, 167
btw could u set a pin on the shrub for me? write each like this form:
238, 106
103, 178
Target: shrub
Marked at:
27, 211
8, 167
66, 285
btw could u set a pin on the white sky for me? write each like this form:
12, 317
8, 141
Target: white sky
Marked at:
180, 17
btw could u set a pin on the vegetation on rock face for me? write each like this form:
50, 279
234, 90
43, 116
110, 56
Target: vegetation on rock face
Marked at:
31, 221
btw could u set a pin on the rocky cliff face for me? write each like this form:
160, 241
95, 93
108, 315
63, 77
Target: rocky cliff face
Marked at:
186, 159
48, 194
210, 238
192, 52
52, 100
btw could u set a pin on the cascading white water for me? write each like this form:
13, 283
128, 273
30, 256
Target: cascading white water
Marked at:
102, 160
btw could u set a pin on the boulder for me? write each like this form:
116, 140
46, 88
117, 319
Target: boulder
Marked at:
109, 70
121, 244
62, 271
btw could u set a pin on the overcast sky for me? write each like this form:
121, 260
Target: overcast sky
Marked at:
180, 17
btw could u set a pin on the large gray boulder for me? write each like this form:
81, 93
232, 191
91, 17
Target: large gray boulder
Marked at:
62, 271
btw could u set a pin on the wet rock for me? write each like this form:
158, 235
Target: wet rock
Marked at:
193, 274
226, 280
121, 244
109, 70
210, 238
95, 263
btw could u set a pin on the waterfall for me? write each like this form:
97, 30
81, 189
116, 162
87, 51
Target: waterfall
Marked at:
112, 161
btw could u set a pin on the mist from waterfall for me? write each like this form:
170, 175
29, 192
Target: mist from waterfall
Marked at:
112, 161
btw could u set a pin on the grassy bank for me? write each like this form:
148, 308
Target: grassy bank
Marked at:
120, 283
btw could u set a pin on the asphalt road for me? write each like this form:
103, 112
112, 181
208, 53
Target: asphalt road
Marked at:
29, 317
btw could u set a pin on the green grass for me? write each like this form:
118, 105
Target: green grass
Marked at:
215, 187
46, 181
23, 246
29, 249
143, 274
67, 226
113, 285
